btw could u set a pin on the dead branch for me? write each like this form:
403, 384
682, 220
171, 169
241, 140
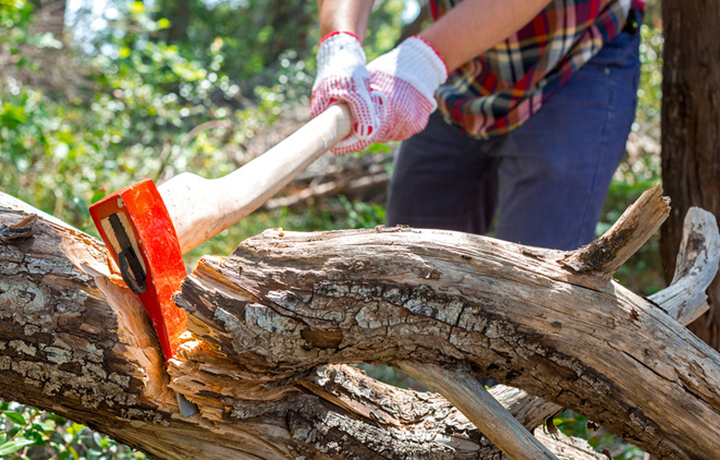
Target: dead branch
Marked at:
272, 322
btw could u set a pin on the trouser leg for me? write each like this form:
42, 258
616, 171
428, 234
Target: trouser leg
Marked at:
553, 172
441, 179
556, 169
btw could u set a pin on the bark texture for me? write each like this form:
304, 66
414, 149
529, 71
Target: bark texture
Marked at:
690, 129
271, 326
75, 341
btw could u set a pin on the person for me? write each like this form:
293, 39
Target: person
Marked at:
536, 101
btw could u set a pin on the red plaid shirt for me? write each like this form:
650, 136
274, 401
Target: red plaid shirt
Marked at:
500, 89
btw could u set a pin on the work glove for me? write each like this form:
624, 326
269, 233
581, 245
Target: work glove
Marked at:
408, 76
342, 76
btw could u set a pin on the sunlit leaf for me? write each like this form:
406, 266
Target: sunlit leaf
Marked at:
16, 418
14, 446
73, 452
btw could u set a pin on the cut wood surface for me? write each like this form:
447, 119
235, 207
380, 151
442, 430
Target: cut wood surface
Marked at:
272, 324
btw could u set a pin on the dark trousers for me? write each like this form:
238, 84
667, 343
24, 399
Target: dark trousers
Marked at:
545, 182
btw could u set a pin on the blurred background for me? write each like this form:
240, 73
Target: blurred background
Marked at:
97, 95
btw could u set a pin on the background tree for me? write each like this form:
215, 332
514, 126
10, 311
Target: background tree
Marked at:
691, 130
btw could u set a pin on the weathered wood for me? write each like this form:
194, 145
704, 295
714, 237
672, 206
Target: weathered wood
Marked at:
637, 224
696, 266
288, 302
73, 340
684, 300
268, 319
464, 391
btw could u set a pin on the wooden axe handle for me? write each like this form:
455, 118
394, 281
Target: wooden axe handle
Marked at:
201, 208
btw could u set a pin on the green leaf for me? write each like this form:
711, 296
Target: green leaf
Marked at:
73, 452
16, 418
97, 437
97, 196
77, 428
14, 446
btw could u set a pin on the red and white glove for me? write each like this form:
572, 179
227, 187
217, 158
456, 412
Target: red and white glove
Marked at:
408, 76
342, 76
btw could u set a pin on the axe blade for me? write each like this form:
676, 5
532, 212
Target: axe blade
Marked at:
139, 234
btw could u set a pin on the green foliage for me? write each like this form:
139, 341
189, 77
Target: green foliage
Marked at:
647, 117
142, 98
14, 21
28, 433
260, 31
131, 125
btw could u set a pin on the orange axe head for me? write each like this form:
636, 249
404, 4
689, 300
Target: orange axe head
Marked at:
139, 234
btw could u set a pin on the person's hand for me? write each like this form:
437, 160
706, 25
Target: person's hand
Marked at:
408, 76
342, 76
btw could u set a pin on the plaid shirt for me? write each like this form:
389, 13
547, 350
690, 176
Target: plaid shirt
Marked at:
500, 89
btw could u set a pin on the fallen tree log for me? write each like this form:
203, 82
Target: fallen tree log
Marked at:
75, 342
267, 321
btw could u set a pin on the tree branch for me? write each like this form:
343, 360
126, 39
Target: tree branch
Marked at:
637, 224
75, 341
286, 302
272, 322
696, 266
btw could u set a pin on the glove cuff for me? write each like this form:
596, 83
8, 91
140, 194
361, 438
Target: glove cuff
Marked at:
339, 53
338, 32
419, 63
416, 62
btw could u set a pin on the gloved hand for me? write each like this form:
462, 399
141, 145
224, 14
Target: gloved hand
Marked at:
408, 77
342, 76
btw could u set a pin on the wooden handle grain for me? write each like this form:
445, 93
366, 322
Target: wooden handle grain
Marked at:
202, 208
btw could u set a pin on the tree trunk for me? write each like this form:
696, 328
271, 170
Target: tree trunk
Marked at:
271, 324
691, 130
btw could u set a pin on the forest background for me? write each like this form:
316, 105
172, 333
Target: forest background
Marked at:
95, 96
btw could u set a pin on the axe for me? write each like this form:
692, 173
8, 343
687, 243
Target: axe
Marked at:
147, 229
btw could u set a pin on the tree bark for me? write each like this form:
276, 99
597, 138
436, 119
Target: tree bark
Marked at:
690, 127
271, 324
